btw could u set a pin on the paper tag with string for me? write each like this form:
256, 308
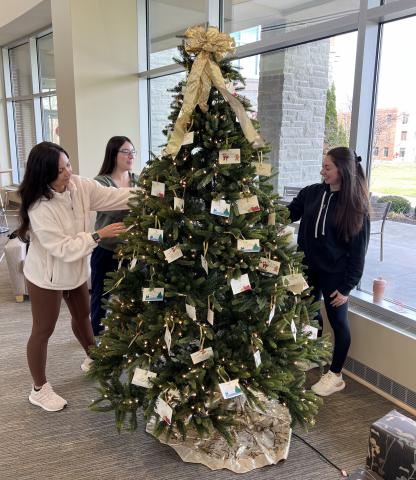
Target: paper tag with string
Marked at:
164, 410
210, 314
142, 377
173, 253
204, 262
310, 331
179, 204
202, 355
191, 311
158, 189
263, 169
188, 138
133, 263
168, 338
257, 358
230, 389
271, 218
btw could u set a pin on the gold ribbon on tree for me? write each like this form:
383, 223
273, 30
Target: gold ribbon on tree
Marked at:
209, 46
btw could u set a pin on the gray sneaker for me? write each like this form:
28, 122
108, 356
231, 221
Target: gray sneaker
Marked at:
47, 399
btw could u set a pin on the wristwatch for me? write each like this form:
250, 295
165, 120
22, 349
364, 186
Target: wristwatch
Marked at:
96, 237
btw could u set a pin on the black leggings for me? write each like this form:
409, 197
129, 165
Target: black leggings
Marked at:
324, 284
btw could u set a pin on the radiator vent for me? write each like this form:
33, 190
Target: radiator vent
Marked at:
382, 382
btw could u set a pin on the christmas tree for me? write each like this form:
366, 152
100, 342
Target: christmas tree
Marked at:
209, 302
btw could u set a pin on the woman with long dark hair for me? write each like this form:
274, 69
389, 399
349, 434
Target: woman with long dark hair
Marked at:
116, 171
55, 215
333, 234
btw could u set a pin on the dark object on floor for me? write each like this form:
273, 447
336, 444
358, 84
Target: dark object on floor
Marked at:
392, 447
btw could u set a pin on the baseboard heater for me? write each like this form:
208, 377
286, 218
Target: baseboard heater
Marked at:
376, 381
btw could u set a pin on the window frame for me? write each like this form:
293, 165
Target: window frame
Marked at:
35, 96
368, 22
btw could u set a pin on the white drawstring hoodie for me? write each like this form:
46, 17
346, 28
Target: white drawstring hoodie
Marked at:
60, 238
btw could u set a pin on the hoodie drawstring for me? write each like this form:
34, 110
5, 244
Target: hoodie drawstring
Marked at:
326, 211
319, 214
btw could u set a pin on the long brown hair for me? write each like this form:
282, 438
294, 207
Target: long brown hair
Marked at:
110, 156
352, 205
42, 168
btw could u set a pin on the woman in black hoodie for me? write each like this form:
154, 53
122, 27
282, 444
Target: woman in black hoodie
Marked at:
333, 234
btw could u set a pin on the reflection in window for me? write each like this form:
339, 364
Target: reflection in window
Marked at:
46, 64
395, 172
50, 119
160, 107
20, 70
271, 18
24, 121
167, 22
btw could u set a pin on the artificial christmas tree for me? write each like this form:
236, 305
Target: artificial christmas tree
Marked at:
210, 311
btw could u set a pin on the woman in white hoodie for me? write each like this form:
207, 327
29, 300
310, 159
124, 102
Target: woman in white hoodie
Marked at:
55, 217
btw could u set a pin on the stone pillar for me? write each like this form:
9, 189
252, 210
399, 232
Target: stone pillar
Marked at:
291, 110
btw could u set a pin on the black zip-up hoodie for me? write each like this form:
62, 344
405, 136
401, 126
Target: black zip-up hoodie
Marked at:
324, 250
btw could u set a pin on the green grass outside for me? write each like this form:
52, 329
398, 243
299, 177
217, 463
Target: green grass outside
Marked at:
394, 179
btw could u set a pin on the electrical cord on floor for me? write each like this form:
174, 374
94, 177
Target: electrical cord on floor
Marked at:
341, 471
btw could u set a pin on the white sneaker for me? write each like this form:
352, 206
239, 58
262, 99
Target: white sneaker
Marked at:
329, 383
86, 364
47, 399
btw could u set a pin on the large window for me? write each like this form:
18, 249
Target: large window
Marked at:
302, 97
394, 174
31, 100
299, 60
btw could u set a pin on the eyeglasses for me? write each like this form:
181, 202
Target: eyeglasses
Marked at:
127, 152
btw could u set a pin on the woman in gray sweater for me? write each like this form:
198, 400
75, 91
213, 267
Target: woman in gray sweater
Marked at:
115, 172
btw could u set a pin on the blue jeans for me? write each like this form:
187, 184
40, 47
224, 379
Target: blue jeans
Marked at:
102, 262
323, 284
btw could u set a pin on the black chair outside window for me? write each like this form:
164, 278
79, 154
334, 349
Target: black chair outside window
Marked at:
378, 215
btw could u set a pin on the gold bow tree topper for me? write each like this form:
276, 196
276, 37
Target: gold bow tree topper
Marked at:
210, 46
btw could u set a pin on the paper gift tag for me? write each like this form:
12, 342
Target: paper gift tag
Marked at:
230, 389
257, 358
173, 253
153, 294
188, 138
133, 263
248, 205
164, 410
129, 228
248, 246
220, 208
204, 264
228, 157
178, 204
289, 233
293, 329
141, 377
210, 316
269, 266
271, 314
295, 283
158, 189
202, 355
240, 284
168, 338
155, 235
311, 332
263, 169
271, 219
191, 311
